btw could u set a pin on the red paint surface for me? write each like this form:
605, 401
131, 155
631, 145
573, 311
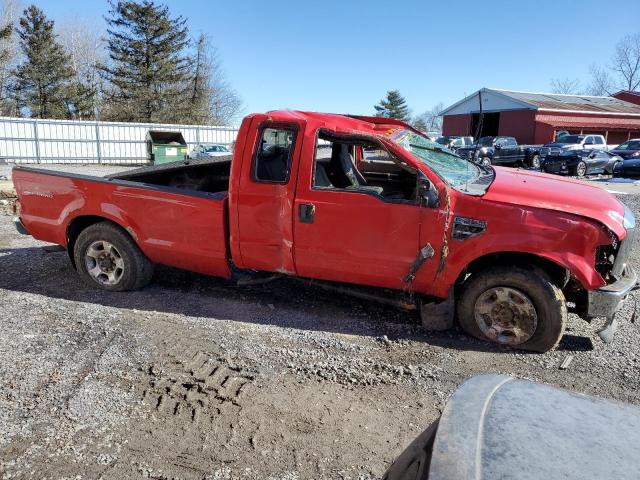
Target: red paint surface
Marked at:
518, 124
355, 237
628, 96
179, 230
456, 125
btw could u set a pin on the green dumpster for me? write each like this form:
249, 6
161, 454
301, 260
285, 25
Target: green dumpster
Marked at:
164, 147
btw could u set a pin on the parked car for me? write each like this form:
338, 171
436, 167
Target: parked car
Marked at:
628, 149
209, 150
453, 142
580, 162
504, 249
499, 427
573, 142
502, 151
627, 168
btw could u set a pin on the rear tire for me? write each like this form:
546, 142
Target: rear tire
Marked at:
518, 307
486, 161
106, 257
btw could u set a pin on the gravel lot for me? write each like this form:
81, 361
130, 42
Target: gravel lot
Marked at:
195, 378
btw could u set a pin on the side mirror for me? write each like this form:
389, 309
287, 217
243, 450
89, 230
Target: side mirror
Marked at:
427, 192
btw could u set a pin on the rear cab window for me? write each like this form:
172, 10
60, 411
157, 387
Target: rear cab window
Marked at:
274, 151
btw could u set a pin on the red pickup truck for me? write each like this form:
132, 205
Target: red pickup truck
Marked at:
356, 200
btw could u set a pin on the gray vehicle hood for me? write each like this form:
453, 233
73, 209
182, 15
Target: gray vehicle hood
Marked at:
499, 427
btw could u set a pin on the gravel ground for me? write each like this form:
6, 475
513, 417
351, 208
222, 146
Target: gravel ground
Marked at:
195, 378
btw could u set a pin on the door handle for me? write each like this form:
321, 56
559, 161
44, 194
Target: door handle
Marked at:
306, 212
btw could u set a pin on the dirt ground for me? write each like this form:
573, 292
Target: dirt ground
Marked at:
196, 378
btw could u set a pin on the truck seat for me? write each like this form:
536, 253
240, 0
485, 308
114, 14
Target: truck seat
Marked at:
272, 163
321, 178
344, 174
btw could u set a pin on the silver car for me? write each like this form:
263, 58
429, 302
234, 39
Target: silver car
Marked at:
209, 150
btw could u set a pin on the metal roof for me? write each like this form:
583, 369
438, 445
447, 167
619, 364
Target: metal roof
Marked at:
559, 102
587, 103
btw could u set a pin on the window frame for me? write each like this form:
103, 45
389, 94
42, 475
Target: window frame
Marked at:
294, 129
357, 138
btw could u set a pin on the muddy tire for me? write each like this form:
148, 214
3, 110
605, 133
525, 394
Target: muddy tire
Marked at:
106, 257
518, 307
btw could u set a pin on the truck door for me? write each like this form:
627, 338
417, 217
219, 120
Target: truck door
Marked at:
265, 194
353, 230
509, 151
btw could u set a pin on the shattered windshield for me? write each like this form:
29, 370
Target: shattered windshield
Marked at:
460, 174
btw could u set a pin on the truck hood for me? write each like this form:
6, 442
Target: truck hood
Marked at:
540, 190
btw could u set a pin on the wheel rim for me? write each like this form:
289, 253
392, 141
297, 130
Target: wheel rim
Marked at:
506, 315
535, 161
486, 161
582, 169
104, 263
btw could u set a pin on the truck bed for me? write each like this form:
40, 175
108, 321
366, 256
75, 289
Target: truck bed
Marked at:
172, 217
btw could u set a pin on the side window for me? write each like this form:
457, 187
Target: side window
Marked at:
511, 142
273, 154
588, 140
377, 173
598, 140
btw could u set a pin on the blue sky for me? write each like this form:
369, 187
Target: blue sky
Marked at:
342, 56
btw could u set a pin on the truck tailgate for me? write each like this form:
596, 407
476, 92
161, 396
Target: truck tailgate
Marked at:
181, 228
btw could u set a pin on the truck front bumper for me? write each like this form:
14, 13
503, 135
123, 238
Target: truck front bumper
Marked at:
606, 301
20, 226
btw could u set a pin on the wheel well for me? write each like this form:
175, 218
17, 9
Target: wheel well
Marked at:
559, 275
78, 225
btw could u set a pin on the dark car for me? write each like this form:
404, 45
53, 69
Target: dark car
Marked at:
627, 168
501, 151
628, 149
498, 427
580, 162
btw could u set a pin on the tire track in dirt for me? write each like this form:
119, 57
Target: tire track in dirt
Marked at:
199, 389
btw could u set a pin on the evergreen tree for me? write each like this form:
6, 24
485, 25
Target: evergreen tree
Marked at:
148, 72
393, 106
5, 35
42, 79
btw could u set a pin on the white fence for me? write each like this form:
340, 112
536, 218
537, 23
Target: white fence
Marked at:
26, 140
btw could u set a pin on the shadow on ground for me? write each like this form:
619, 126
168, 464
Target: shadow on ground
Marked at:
284, 302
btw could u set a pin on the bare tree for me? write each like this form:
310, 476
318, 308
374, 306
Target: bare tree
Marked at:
626, 62
85, 45
431, 120
210, 98
623, 71
9, 53
225, 105
602, 84
566, 86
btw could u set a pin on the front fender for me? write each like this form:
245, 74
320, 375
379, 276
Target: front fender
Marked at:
567, 240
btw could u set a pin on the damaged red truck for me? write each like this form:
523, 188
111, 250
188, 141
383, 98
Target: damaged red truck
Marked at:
357, 200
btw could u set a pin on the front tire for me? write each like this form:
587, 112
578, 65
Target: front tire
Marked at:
106, 257
535, 162
519, 307
486, 161
581, 169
